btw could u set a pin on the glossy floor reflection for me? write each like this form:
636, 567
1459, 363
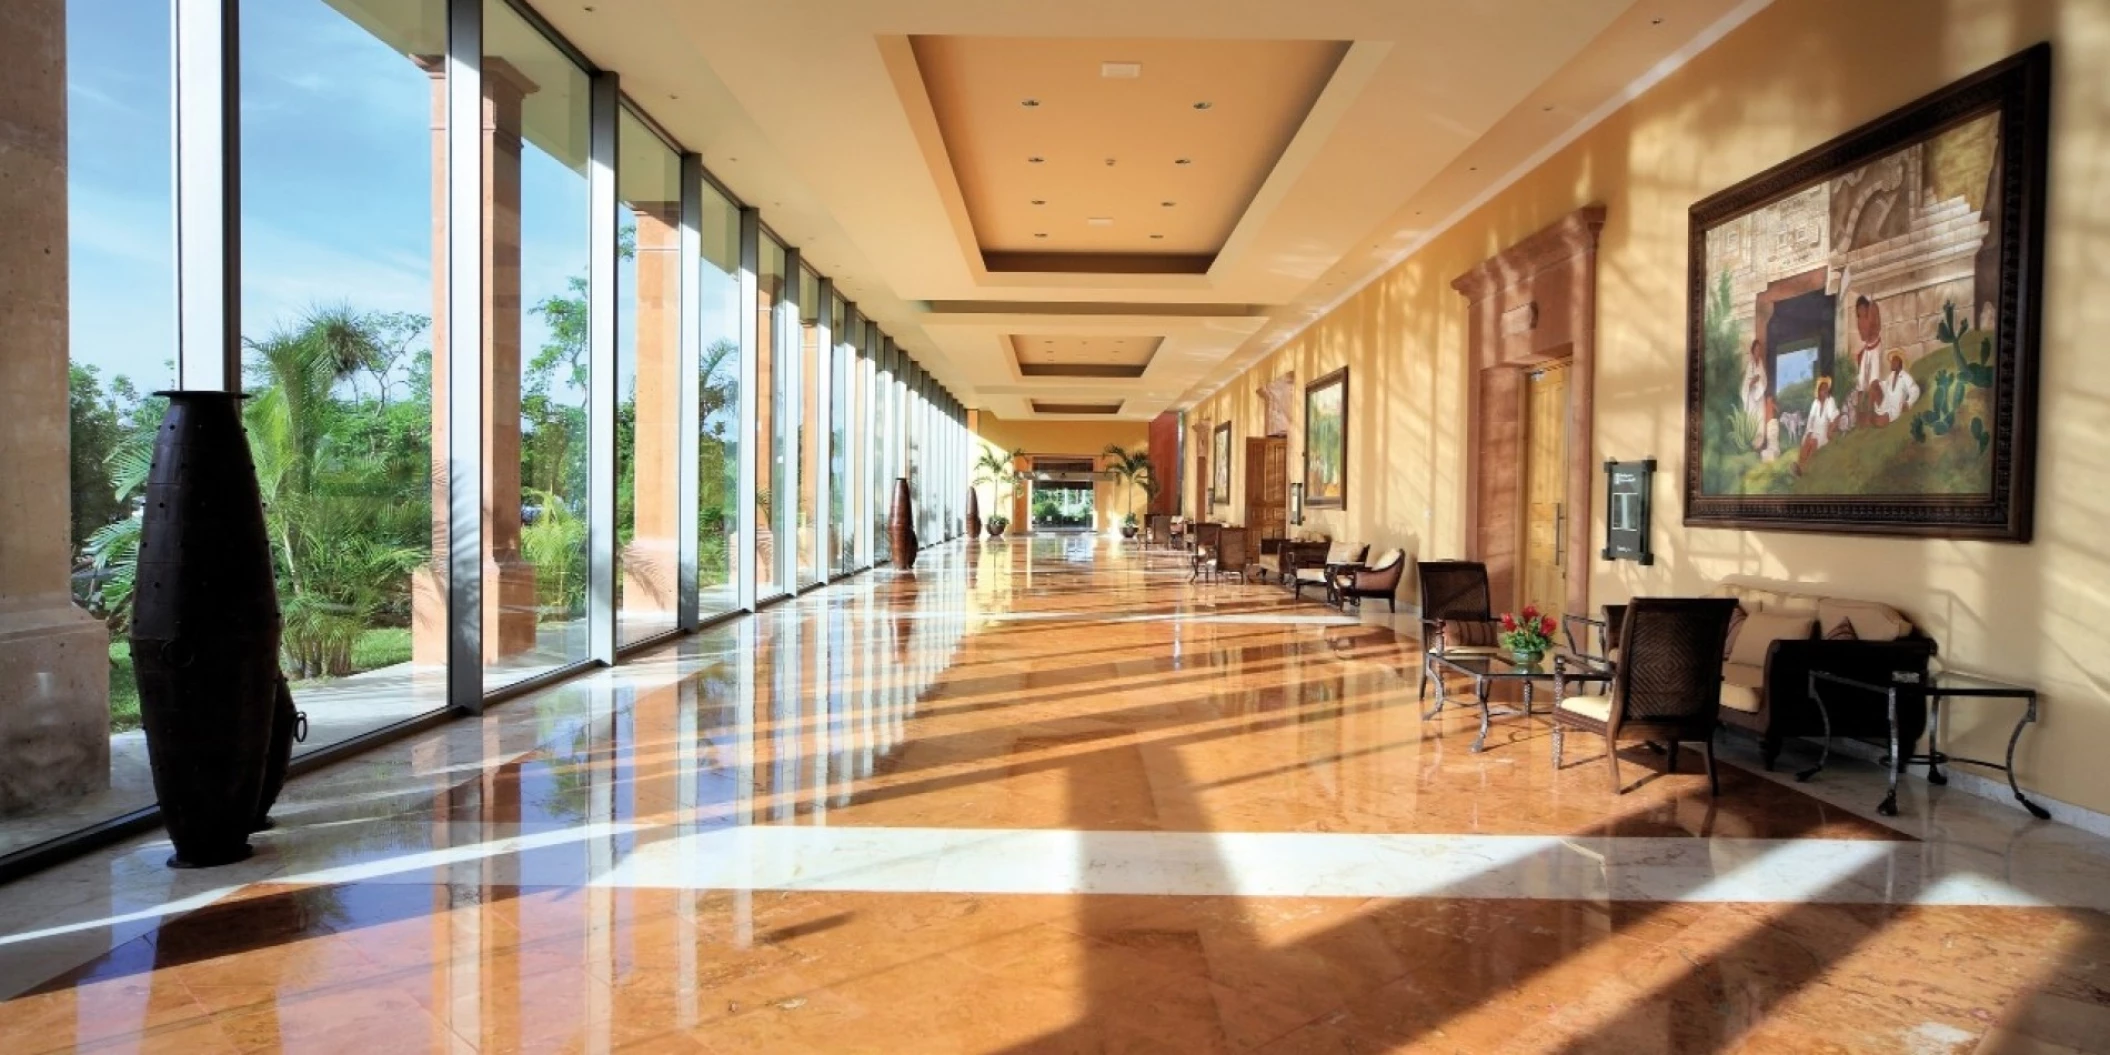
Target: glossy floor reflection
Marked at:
1048, 796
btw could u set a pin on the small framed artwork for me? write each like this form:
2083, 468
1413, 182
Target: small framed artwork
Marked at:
1862, 324
1326, 441
1220, 465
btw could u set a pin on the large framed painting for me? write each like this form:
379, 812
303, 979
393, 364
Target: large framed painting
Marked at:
1862, 324
1326, 441
1220, 465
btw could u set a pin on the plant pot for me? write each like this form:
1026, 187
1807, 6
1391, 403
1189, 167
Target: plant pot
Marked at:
1527, 657
205, 631
1128, 531
997, 528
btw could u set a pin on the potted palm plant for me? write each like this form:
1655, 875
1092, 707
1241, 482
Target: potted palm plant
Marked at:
1134, 470
999, 469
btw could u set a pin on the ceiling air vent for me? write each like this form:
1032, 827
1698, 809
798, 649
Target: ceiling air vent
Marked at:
1041, 406
1120, 71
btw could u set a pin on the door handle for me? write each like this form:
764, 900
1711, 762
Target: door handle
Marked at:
1560, 536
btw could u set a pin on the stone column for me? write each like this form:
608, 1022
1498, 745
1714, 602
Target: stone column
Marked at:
649, 562
54, 657
509, 615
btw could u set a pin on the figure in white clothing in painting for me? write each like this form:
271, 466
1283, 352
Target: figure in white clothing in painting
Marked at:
1868, 359
1823, 421
1896, 392
1754, 390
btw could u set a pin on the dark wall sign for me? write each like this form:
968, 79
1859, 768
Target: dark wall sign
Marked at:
1626, 488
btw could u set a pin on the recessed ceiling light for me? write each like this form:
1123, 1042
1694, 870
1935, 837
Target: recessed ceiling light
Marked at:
1040, 201
1656, 21
1472, 168
1040, 234
1157, 236
1548, 108
1121, 70
1109, 162
1099, 221
1035, 160
1203, 105
1183, 161
1029, 103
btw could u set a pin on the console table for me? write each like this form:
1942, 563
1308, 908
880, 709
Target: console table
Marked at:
1947, 685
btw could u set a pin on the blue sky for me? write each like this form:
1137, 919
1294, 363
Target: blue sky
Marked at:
337, 177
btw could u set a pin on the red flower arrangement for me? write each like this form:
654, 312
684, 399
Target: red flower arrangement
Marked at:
1527, 631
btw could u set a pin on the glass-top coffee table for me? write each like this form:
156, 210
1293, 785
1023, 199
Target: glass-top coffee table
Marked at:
1486, 669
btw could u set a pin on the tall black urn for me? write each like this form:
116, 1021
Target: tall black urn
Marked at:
205, 630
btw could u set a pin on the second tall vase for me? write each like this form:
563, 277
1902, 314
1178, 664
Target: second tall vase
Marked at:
205, 630
901, 529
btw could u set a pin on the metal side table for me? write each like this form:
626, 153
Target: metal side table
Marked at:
1946, 685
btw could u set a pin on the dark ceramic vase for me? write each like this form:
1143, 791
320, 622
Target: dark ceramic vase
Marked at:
205, 630
974, 514
901, 528
288, 724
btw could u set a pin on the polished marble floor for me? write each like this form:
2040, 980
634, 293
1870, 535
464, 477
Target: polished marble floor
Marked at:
1048, 796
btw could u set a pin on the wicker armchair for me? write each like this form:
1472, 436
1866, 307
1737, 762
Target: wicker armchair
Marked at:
1319, 573
1454, 594
1666, 686
1379, 579
1229, 557
1157, 530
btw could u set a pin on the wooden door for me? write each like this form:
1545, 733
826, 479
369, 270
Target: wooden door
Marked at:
1202, 512
1267, 486
1544, 578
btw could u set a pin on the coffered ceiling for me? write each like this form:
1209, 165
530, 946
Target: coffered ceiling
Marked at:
1302, 146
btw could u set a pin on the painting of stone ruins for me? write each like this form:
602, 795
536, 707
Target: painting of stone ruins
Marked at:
1850, 329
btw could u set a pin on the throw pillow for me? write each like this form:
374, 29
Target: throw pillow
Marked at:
1761, 630
1468, 632
1842, 630
1736, 623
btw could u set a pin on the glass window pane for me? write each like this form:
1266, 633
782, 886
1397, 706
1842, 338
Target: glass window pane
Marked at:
770, 382
92, 334
648, 386
810, 422
337, 308
718, 559
536, 253
840, 559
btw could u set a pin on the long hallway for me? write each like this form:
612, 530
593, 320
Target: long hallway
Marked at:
1047, 795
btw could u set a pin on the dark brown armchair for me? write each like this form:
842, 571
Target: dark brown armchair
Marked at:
1231, 554
1457, 613
1380, 578
1203, 549
1157, 530
1666, 686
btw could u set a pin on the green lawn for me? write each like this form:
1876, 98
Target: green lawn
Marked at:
381, 647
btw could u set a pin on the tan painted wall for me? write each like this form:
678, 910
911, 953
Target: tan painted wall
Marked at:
1063, 437
1796, 74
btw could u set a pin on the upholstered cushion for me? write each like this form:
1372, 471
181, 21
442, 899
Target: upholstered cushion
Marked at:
1842, 630
1871, 621
1468, 632
1387, 559
1762, 629
1340, 553
1597, 707
1305, 574
1736, 625
1742, 684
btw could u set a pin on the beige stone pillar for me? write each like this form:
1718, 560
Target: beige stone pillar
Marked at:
509, 608
650, 561
54, 658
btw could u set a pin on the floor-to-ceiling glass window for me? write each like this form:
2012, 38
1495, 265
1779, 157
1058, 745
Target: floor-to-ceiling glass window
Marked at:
841, 426
812, 442
536, 253
770, 415
883, 426
92, 335
648, 382
336, 324
718, 559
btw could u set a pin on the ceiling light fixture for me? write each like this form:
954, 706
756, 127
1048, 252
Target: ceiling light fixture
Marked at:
1183, 161
1109, 162
1157, 236
1203, 105
1029, 103
1167, 204
1121, 71
1040, 201
1035, 160
1040, 234
1099, 221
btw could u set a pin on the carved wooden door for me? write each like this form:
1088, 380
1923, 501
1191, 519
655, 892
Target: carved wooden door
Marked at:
1267, 486
1544, 581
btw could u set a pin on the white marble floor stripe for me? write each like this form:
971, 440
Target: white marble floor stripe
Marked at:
1041, 861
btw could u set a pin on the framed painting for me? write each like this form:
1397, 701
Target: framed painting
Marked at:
1862, 324
1326, 441
1220, 465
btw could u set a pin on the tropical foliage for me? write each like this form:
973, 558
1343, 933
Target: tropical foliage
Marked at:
1134, 470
